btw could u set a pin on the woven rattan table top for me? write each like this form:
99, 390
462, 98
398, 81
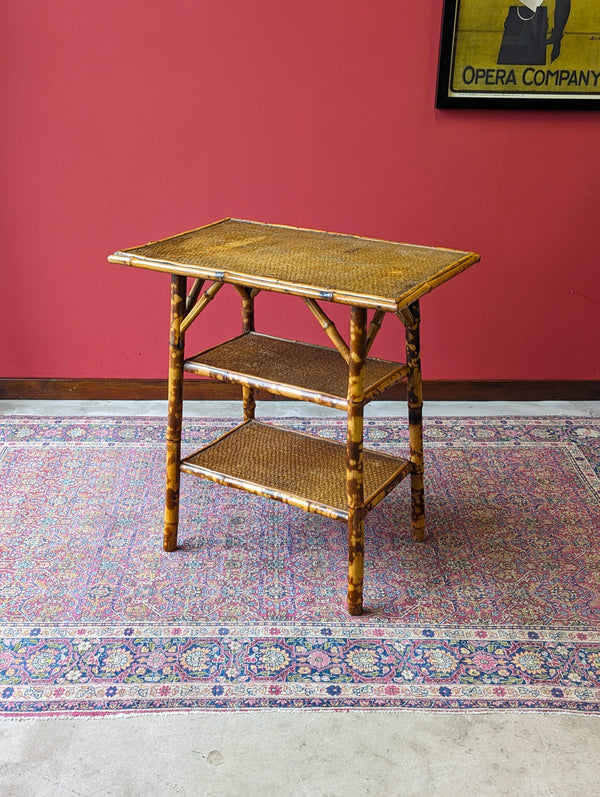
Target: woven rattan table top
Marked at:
339, 268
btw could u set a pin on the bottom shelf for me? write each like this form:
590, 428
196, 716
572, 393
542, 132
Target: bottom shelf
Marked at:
293, 467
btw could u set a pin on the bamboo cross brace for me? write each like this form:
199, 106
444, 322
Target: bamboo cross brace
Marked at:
201, 304
329, 328
193, 294
374, 328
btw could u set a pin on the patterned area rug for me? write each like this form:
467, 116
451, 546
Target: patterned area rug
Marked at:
499, 609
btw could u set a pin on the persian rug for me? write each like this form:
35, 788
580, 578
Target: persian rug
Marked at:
498, 609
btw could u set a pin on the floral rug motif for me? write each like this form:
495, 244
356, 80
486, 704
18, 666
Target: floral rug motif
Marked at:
498, 609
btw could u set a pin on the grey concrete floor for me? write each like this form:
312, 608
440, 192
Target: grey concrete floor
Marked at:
278, 753
303, 753
231, 409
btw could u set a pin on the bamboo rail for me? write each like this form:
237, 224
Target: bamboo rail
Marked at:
276, 388
372, 501
264, 492
413, 296
211, 254
384, 384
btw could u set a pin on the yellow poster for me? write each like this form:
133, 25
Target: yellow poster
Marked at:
527, 50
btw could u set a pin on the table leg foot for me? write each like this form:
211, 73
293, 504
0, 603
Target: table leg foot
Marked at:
356, 537
170, 538
355, 609
172, 491
418, 507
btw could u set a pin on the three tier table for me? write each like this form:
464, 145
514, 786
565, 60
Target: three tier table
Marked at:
373, 278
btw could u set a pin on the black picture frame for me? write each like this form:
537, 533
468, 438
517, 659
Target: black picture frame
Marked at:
480, 83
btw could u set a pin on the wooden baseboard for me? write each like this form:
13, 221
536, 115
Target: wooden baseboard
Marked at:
205, 390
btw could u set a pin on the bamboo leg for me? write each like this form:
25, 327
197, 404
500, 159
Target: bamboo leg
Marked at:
248, 399
176, 345
354, 458
415, 420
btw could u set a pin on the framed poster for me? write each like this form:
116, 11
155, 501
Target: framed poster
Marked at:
520, 54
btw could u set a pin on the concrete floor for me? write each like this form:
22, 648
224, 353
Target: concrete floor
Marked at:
303, 753
231, 409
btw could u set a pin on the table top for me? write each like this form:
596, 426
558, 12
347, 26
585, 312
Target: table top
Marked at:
347, 269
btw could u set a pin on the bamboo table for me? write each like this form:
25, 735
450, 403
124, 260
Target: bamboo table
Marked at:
338, 481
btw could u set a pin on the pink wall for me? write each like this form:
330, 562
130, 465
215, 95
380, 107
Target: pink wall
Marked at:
127, 121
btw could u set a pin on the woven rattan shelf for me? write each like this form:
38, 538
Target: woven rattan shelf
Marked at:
340, 481
362, 272
296, 468
292, 369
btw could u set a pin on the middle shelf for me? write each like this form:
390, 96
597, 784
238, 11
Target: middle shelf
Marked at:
294, 467
289, 368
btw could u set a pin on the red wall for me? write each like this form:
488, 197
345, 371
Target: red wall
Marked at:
127, 121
